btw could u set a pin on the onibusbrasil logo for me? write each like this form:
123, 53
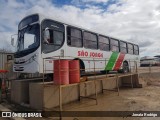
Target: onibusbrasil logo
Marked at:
18, 114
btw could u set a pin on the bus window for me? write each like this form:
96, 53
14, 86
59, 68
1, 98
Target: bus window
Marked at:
136, 50
90, 40
123, 47
57, 37
103, 43
46, 36
53, 37
74, 37
130, 48
114, 44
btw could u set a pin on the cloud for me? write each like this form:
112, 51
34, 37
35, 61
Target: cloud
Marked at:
4, 41
131, 20
88, 1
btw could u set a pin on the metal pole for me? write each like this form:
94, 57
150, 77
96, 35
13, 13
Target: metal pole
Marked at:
60, 101
136, 67
2, 59
95, 82
60, 98
150, 71
79, 89
150, 68
43, 82
117, 83
131, 81
43, 71
130, 66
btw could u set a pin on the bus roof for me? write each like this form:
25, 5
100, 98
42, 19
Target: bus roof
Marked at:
42, 16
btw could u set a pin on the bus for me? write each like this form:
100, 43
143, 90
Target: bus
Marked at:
42, 37
149, 61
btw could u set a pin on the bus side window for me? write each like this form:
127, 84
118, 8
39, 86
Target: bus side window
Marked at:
90, 40
130, 48
114, 45
74, 37
136, 50
103, 43
57, 37
123, 47
46, 36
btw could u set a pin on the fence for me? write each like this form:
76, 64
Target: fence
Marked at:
95, 80
92, 63
134, 65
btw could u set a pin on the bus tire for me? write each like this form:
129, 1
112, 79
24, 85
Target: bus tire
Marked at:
48, 77
125, 68
81, 65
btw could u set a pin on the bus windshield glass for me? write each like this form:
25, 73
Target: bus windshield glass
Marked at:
28, 20
28, 37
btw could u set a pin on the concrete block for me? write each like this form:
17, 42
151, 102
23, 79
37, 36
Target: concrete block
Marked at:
47, 96
20, 91
126, 80
44, 96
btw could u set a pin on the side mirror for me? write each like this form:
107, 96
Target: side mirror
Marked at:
46, 35
13, 37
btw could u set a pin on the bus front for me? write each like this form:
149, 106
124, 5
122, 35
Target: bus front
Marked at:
28, 45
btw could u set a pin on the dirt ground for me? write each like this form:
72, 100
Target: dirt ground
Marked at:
137, 99
130, 99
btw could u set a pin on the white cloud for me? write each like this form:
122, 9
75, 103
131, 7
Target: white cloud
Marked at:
4, 41
96, 1
132, 20
78, 2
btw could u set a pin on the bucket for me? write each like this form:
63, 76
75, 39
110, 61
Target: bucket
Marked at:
74, 71
61, 72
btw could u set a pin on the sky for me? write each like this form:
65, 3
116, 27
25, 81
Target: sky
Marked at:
136, 21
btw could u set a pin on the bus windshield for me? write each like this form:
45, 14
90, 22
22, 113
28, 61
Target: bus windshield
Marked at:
28, 38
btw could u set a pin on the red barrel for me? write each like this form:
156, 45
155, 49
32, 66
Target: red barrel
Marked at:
74, 71
61, 72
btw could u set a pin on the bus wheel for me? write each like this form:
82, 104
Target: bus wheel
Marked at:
82, 66
48, 77
125, 67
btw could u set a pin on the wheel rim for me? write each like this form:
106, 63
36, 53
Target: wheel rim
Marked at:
125, 67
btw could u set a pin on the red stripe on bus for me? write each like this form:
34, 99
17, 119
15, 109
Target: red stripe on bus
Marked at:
119, 61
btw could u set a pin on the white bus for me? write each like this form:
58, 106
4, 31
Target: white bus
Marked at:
42, 37
149, 61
